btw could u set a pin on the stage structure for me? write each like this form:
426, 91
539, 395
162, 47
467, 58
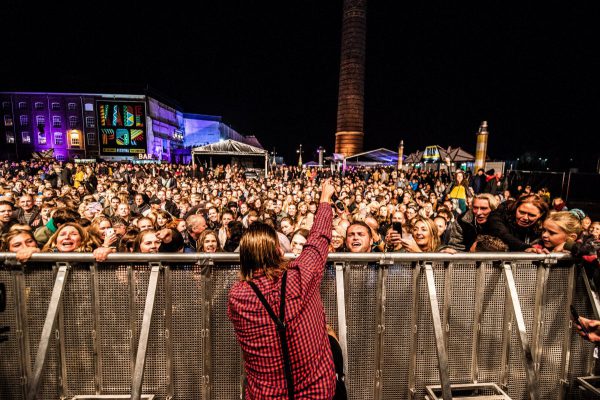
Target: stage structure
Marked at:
231, 152
493, 325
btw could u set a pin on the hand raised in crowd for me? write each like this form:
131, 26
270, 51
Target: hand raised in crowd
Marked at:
110, 239
393, 239
410, 245
165, 235
327, 190
592, 326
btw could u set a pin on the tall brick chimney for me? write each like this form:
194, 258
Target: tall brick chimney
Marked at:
350, 113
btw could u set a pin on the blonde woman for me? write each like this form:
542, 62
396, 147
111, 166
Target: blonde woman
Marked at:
425, 236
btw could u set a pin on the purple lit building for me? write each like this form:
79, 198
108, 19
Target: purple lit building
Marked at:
107, 126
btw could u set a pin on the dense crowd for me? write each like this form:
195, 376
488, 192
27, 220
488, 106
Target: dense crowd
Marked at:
122, 207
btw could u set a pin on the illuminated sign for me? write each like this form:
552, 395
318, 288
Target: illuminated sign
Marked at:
431, 153
122, 127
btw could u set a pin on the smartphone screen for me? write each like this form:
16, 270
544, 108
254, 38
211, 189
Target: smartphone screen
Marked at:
397, 226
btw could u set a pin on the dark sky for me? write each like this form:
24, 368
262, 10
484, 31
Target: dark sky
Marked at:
271, 68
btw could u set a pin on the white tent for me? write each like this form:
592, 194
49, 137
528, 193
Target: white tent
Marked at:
233, 149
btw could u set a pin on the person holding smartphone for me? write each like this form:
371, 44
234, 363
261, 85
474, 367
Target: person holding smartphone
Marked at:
587, 328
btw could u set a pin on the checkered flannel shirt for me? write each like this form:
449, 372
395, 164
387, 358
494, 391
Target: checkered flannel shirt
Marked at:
310, 352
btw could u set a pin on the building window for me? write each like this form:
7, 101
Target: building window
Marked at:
10, 137
6, 105
8, 120
90, 122
56, 121
55, 106
41, 138
75, 139
22, 105
60, 157
24, 119
25, 137
40, 120
91, 138
89, 107
39, 105
71, 106
73, 121
58, 138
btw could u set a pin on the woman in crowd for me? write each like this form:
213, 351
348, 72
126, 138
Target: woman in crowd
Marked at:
147, 242
20, 241
286, 226
519, 224
208, 242
338, 237
560, 231
298, 240
69, 238
458, 191
425, 236
98, 232
162, 219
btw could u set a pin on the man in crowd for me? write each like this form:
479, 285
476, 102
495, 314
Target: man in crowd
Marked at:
465, 229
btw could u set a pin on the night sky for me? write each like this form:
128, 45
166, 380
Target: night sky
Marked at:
271, 69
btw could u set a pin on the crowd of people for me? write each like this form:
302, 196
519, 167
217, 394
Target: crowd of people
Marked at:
124, 207
104, 208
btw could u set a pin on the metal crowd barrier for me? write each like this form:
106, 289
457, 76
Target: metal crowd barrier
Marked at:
411, 326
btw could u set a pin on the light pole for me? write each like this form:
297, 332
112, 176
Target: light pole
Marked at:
320, 150
273, 155
300, 151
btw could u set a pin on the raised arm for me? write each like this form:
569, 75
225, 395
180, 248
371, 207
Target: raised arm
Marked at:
314, 254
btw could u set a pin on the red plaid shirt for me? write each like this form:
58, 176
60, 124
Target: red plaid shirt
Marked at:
310, 352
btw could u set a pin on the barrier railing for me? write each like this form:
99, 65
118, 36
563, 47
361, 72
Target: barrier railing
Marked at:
143, 325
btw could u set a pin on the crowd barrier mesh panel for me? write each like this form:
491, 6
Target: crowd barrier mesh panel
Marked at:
39, 282
78, 327
397, 332
427, 371
328, 296
492, 317
360, 312
189, 288
460, 320
226, 354
525, 275
188, 367
10, 371
155, 372
114, 329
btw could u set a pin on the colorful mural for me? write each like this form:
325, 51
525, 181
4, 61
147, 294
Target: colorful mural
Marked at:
122, 128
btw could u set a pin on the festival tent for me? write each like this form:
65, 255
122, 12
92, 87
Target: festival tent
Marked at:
381, 156
231, 152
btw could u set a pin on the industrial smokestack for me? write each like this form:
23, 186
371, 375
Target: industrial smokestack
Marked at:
350, 114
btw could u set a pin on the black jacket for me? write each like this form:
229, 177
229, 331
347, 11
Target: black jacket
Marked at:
501, 223
464, 231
